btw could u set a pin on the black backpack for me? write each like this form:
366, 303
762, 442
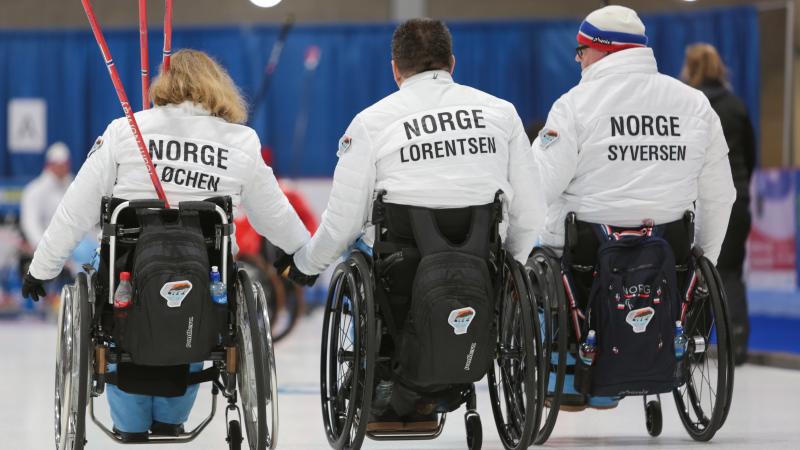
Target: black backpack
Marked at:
172, 319
633, 306
449, 334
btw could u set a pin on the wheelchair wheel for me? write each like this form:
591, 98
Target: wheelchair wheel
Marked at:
704, 399
551, 309
513, 383
348, 353
472, 425
234, 435
73, 361
729, 346
256, 365
653, 418
281, 292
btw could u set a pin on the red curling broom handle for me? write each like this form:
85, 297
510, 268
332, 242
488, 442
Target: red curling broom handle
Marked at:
167, 36
143, 54
123, 99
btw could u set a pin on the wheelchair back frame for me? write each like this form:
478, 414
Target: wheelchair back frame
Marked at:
114, 213
113, 208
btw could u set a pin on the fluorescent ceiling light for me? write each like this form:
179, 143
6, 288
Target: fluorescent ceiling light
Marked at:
265, 3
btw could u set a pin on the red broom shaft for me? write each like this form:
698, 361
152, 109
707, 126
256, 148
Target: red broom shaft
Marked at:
123, 99
143, 49
167, 35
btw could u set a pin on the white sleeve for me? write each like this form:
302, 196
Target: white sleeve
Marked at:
348, 205
715, 193
79, 210
268, 209
527, 210
556, 151
29, 221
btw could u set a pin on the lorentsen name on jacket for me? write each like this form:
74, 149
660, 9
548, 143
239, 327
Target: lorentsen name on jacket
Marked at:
444, 121
644, 125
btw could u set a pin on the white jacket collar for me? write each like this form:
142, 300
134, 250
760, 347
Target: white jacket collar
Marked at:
634, 60
441, 76
189, 108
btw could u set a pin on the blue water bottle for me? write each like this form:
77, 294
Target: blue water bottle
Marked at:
219, 293
588, 349
681, 341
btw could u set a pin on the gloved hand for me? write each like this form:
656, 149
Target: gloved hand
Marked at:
32, 288
287, 268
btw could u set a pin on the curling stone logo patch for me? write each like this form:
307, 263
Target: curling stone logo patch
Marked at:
640, 318
460, 319
175, 292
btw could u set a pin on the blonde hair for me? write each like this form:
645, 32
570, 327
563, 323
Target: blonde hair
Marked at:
702, 64
196, 77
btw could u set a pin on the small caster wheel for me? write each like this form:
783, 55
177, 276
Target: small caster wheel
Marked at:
234, 435
472, 422
653, 418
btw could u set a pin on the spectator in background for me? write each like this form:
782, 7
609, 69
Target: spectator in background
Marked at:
41, 197
704, 70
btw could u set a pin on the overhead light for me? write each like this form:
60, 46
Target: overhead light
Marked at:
265, 3
690, 1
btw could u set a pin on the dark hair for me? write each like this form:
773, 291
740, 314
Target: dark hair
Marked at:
419, 45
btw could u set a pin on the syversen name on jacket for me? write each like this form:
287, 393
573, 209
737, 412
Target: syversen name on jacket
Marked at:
646, 125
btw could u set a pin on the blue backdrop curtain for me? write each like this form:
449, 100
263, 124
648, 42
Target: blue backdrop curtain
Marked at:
529, 63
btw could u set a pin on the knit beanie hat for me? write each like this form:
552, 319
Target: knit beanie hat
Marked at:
611, 29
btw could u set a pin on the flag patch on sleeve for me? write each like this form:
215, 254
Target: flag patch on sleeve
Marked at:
548, 137
344, 144
97, 144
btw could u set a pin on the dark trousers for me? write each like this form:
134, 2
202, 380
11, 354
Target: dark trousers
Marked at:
730, 265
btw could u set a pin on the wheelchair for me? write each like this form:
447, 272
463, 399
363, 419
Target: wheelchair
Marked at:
702, 395
363, 329
241, 361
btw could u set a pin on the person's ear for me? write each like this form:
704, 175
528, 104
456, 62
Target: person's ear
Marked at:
452, 64
398, 78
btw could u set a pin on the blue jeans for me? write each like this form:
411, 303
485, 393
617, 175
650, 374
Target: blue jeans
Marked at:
134, 413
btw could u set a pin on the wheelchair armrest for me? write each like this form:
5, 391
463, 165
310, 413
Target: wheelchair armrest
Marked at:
147, 203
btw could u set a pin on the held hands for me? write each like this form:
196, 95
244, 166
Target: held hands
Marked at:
287, 269
32, 288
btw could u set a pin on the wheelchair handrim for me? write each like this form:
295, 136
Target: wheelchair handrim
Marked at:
513, 384
249, 377
554, 320
706, 318
345, 412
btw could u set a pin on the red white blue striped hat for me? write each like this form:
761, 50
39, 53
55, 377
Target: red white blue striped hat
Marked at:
611, 29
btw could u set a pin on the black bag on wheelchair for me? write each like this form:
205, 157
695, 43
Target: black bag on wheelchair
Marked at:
633, 305
172, 320
449, 335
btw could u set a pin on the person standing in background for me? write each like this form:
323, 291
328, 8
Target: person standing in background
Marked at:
704, 69
41, 197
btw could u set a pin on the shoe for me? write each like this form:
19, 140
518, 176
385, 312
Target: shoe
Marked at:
391, 422
166, 429
127, 437
603, 402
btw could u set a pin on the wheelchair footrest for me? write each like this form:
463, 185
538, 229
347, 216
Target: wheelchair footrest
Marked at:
398, 427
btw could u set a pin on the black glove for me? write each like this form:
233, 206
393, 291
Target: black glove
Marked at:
32, 288
287, 268
283, 262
